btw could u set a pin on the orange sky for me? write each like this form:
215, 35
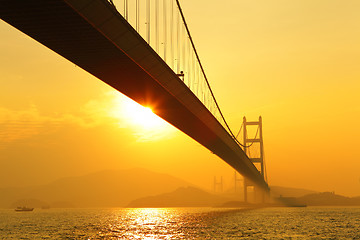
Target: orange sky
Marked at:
296, 63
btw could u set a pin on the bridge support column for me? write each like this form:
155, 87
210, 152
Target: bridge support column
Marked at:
245, 191
236, 180
259, 195
218, 185
255, 191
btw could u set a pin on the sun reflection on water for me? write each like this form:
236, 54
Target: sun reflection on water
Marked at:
147, 223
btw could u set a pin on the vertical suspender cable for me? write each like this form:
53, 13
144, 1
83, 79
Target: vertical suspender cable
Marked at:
165, 28
124, 11
204, 89
178, 42
194, 72
127, 10
183, 41
157, 25
188, 61
189, 69
172, 32
137, 16
148, 20
195, 77
197, 81
203, 72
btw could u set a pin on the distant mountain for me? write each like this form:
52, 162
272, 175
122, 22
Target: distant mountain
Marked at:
328, 199
110, 188
120, 188
181, 197
356, 198
277, 191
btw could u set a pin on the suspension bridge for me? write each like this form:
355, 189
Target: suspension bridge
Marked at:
143, 49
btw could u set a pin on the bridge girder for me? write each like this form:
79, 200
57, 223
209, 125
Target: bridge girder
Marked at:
91, 34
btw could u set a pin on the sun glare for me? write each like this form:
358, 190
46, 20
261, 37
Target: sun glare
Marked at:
145, 124
142, 116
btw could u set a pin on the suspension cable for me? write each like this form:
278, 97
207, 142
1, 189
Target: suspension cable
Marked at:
239, 130
206, 79
249, 149
198, 60
257, 130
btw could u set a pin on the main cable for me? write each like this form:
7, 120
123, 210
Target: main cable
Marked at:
206, 79
239, 130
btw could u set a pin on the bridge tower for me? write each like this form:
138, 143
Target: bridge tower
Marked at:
236, 180
218, 185
258, 160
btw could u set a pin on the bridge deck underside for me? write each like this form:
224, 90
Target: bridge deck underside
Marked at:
91, 34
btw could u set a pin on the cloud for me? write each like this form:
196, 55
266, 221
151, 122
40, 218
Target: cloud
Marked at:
19, 124
110, 108
28, 122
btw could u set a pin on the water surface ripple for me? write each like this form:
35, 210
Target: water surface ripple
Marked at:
182, 223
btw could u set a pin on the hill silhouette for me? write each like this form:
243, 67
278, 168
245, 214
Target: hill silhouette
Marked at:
109, 188
142, 188
277, 191
181, 197
328, 199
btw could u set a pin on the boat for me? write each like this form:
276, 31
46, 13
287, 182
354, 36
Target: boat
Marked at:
23, 209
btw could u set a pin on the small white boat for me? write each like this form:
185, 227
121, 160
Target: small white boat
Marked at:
23, 209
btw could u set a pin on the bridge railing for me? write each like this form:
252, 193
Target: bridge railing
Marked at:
163, 26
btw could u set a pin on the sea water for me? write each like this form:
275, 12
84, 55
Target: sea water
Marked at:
182, 223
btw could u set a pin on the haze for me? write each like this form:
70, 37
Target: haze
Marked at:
295, 63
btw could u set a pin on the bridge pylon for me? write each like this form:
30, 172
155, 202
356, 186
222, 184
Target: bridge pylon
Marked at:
218, 185
236, 180
257, 160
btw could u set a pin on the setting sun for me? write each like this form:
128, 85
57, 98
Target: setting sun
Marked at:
142, 116
145, 124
